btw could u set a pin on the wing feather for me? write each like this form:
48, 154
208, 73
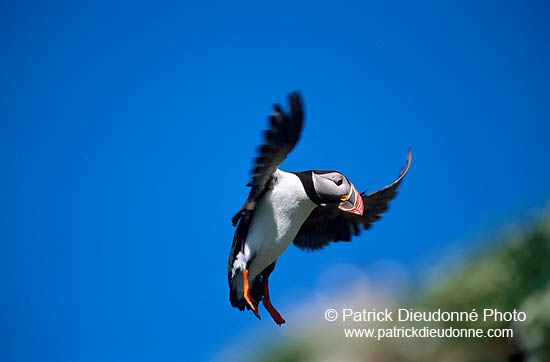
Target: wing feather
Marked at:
279, 140
325, 225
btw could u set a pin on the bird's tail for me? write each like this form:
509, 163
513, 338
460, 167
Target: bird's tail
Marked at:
236, 285
236, 292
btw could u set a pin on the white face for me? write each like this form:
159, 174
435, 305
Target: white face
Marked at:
331, 186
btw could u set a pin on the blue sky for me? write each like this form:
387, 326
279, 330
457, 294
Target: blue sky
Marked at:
127, 132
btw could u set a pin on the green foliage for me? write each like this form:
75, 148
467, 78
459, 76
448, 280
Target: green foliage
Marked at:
501, 278
513, 273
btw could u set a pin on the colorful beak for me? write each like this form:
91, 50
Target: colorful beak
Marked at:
353, 202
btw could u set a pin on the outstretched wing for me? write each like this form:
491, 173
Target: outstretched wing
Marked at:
279, 140
326, 224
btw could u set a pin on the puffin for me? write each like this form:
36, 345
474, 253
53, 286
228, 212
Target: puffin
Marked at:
309, 208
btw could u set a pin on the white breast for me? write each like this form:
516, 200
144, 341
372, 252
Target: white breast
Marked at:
277, 219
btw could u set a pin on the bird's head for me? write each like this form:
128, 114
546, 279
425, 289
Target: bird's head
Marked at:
334, 190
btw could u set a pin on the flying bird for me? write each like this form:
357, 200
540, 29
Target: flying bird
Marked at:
310, 208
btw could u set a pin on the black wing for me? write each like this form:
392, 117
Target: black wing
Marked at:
279, 140
326, 224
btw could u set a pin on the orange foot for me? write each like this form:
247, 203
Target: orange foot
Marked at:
277, 317
246, 288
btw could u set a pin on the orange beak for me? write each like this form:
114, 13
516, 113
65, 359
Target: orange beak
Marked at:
353, 202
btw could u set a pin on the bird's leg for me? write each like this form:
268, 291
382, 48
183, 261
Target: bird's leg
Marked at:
267, 304
246, 289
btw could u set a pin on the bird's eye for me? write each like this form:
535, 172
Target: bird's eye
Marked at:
339, 182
